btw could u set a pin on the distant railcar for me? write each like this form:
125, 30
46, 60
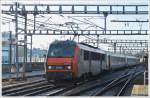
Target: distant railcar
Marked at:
71, 60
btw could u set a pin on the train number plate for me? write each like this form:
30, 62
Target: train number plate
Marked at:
59, 67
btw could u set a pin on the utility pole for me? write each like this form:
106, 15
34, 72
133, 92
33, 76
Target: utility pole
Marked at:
114, 47
16, 36
25, 48
78, 38
105, 17
120, 49
78, 34
31, 53
97, 41
10, 53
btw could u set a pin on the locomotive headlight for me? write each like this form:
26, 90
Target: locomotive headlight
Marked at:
49, 67
68, 67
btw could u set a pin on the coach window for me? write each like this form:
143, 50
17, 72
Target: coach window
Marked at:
95, 56
86, 55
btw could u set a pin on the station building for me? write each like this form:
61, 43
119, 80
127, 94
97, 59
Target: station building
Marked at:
6, 48
37, 53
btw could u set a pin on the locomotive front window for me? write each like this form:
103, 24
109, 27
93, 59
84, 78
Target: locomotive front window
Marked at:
61, 51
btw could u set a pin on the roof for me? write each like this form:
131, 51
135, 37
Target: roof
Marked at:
91, 48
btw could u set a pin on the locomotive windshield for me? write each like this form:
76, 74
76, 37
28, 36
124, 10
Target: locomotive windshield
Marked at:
61, 50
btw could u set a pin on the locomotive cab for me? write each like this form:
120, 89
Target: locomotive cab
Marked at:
60, 60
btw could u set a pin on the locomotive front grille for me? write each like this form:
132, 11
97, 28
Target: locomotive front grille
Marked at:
59, 75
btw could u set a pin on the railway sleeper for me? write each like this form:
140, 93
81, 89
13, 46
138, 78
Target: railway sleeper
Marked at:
28, 90
21, 84
23, 88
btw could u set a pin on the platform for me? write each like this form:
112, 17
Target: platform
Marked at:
140, 90
28, 74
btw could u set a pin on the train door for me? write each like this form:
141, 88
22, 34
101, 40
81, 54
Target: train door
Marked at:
126, 62
90, 62
101, 62
109, 62
104, 61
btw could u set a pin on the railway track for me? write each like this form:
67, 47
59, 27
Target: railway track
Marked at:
90, 87
21, 84
120, 83
98, 88
40, 87
23, 88
85, 87
126, 84
64, 92
61, 90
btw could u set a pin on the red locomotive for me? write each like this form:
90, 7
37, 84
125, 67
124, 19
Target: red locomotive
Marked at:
71, 60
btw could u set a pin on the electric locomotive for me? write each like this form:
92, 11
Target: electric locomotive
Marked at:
71, 60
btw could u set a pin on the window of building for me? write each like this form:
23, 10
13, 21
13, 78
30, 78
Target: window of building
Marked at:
5, 59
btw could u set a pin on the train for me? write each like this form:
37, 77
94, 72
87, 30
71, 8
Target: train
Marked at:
71, 60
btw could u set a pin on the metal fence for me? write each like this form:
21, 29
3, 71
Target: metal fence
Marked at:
34, 59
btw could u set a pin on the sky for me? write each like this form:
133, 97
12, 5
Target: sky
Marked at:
78, 1
44, 41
